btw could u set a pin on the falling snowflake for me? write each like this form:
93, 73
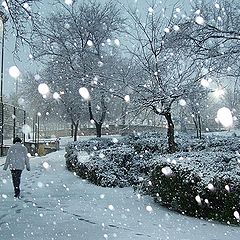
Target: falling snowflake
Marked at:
67, 25
198, 12
84, 93
210, 186
206, 201
117, 42
149, 208
46, 165
115, 140
105, 236
26, 129
178, 10
37, 77
224, 116
40, 184
127, 98
176, 28
182, 102
27, 7
102, 196
21, 101
150, 10
204, 82
199, 20
43, 88
14, 72
4, 196
89, 43
69, 2
101, 155
236, 215
167, 171
227, 188
166, 30
56, 95
100, 64
111, 207
218, 92
198, 199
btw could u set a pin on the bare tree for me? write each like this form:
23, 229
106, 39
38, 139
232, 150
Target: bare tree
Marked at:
168, 73
81, 38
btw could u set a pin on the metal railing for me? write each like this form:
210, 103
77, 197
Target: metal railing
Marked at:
12, 120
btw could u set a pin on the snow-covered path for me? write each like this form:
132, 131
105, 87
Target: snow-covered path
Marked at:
58, 205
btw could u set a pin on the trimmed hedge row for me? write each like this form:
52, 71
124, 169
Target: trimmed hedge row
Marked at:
111, 167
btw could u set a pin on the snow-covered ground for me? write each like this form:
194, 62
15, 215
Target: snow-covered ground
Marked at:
58, 205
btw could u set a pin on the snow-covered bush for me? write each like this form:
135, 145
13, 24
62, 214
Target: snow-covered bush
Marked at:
94, 144
118, 165
89, 146
114, 167
213, 143
107, 168
202, 184
148, 142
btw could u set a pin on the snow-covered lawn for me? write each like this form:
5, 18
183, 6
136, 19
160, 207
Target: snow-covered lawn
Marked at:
58, 205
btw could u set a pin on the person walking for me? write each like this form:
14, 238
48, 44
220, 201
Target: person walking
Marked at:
17, 158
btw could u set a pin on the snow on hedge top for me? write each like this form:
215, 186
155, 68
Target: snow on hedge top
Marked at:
206, 165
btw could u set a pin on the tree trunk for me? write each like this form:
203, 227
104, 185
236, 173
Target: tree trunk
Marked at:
199, 126
170, 133
75, 128
99, 123
72, 130
98, 129
196, 125
123, 113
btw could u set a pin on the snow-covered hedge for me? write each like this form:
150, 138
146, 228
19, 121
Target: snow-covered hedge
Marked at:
148, 142
115, 166
201, 180
203, 184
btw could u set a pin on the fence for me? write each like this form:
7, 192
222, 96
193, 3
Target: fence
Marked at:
91, 131
11, 121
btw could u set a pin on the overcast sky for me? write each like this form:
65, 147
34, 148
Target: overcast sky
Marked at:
25, 64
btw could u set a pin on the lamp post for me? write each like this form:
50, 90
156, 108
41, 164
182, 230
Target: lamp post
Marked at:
3, 20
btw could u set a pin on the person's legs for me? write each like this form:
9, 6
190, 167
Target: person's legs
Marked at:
16, 178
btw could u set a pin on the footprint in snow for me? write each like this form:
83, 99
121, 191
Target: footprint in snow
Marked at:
18, 210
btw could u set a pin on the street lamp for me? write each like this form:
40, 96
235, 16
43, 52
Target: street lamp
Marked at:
3, 20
